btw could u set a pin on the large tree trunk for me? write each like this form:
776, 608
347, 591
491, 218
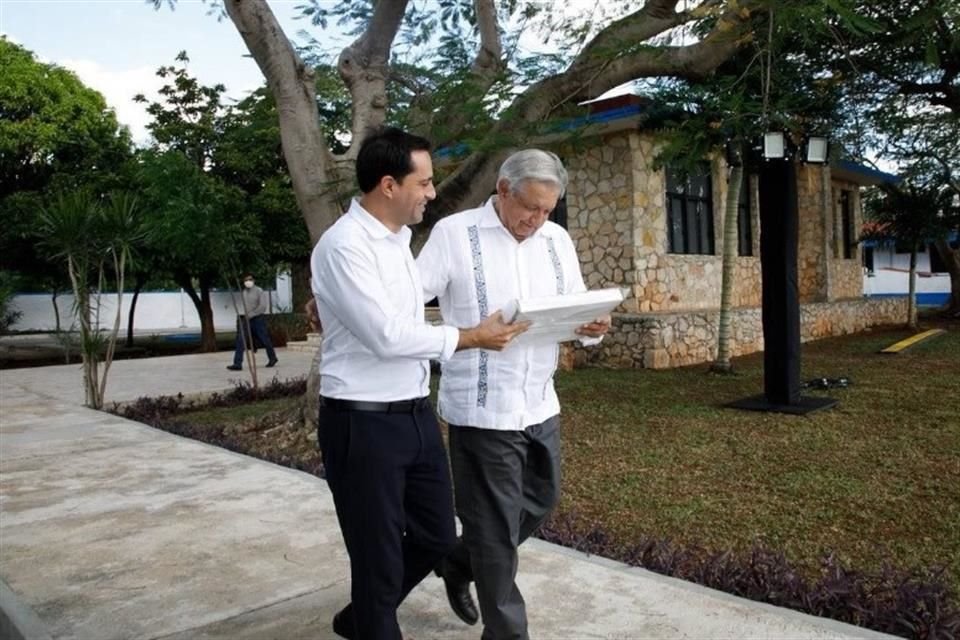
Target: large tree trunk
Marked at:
201, 302
138, 287
951, 258
316, 183
56, 310
302, 291
730, 227
912, 292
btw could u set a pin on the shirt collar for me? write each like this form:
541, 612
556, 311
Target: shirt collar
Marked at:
374, 228
488, 215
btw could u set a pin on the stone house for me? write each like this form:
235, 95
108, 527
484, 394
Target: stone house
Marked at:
659, 237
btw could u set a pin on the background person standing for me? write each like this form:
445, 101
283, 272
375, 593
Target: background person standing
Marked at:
253, 312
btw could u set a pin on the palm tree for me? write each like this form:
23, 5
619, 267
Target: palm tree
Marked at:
96, 240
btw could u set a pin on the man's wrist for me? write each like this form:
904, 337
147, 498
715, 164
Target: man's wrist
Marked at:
467, 339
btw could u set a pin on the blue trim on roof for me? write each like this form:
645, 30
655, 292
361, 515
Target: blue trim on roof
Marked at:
453, 151
889, 241
864, 170
600, 116
461, 148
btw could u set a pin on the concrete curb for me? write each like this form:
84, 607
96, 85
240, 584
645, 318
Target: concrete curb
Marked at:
17, 620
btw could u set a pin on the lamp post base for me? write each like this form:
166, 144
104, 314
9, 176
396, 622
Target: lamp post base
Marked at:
805, 405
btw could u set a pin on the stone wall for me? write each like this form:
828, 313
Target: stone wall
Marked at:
664, 340
600, 208
616, 215
846, 275
617, 218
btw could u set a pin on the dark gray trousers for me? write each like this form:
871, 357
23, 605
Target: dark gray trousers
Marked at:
506, 483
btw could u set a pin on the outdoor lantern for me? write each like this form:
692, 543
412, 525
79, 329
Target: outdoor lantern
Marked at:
817, 150
774, 145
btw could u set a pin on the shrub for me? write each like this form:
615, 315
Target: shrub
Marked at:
287, 327
149, 410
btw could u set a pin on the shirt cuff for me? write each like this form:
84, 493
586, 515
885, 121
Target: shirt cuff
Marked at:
451, 336
591, 342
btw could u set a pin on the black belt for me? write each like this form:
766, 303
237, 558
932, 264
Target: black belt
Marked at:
399, 406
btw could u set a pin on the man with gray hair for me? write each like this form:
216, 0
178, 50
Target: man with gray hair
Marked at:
502, 408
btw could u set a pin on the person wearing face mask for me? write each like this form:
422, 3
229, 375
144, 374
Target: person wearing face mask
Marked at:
501, 407
254, 306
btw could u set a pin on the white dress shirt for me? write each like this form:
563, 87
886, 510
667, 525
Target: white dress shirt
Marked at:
376, 345
475, 266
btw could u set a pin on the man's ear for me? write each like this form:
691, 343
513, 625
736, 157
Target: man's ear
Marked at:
387, 186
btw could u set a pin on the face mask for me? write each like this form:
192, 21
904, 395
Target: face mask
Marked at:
248, 283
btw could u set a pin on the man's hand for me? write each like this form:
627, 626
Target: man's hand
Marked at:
313, 315
493, 334
595, 329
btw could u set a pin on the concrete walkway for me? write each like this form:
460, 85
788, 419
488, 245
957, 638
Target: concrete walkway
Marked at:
110, 529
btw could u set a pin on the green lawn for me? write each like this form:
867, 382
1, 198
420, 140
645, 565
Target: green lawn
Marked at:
654, 453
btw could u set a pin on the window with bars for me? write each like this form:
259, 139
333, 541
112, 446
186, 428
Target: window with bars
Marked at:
744, 226
846, 223
690, 211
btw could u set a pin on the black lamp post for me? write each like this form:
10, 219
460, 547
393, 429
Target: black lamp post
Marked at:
779, 227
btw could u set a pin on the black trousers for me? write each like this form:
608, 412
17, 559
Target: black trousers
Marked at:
507, 483
390, 481
258, 327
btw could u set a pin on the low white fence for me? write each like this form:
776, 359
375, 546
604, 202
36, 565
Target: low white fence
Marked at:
897, 281
156, 310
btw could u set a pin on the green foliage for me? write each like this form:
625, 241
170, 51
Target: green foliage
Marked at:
187, 118
95, 239
55, 135
196, 223
899, 77
52, 125
70, 228
914, 212
773, 83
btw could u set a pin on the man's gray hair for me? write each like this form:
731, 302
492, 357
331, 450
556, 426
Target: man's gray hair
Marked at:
536, 165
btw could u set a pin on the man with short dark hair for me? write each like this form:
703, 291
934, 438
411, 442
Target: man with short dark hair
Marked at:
383, 454
252, 316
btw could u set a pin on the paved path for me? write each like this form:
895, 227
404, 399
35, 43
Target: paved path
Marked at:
110, 529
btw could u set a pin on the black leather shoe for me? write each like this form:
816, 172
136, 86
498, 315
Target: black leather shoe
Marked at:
234, 367
271, 363
458, 594
343, 623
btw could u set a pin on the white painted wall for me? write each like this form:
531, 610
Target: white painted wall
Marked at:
156, 310
898, 281
885, 258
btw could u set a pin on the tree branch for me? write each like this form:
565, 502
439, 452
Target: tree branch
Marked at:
483, 72
364, 69
292, 84
602, 65
489, 58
